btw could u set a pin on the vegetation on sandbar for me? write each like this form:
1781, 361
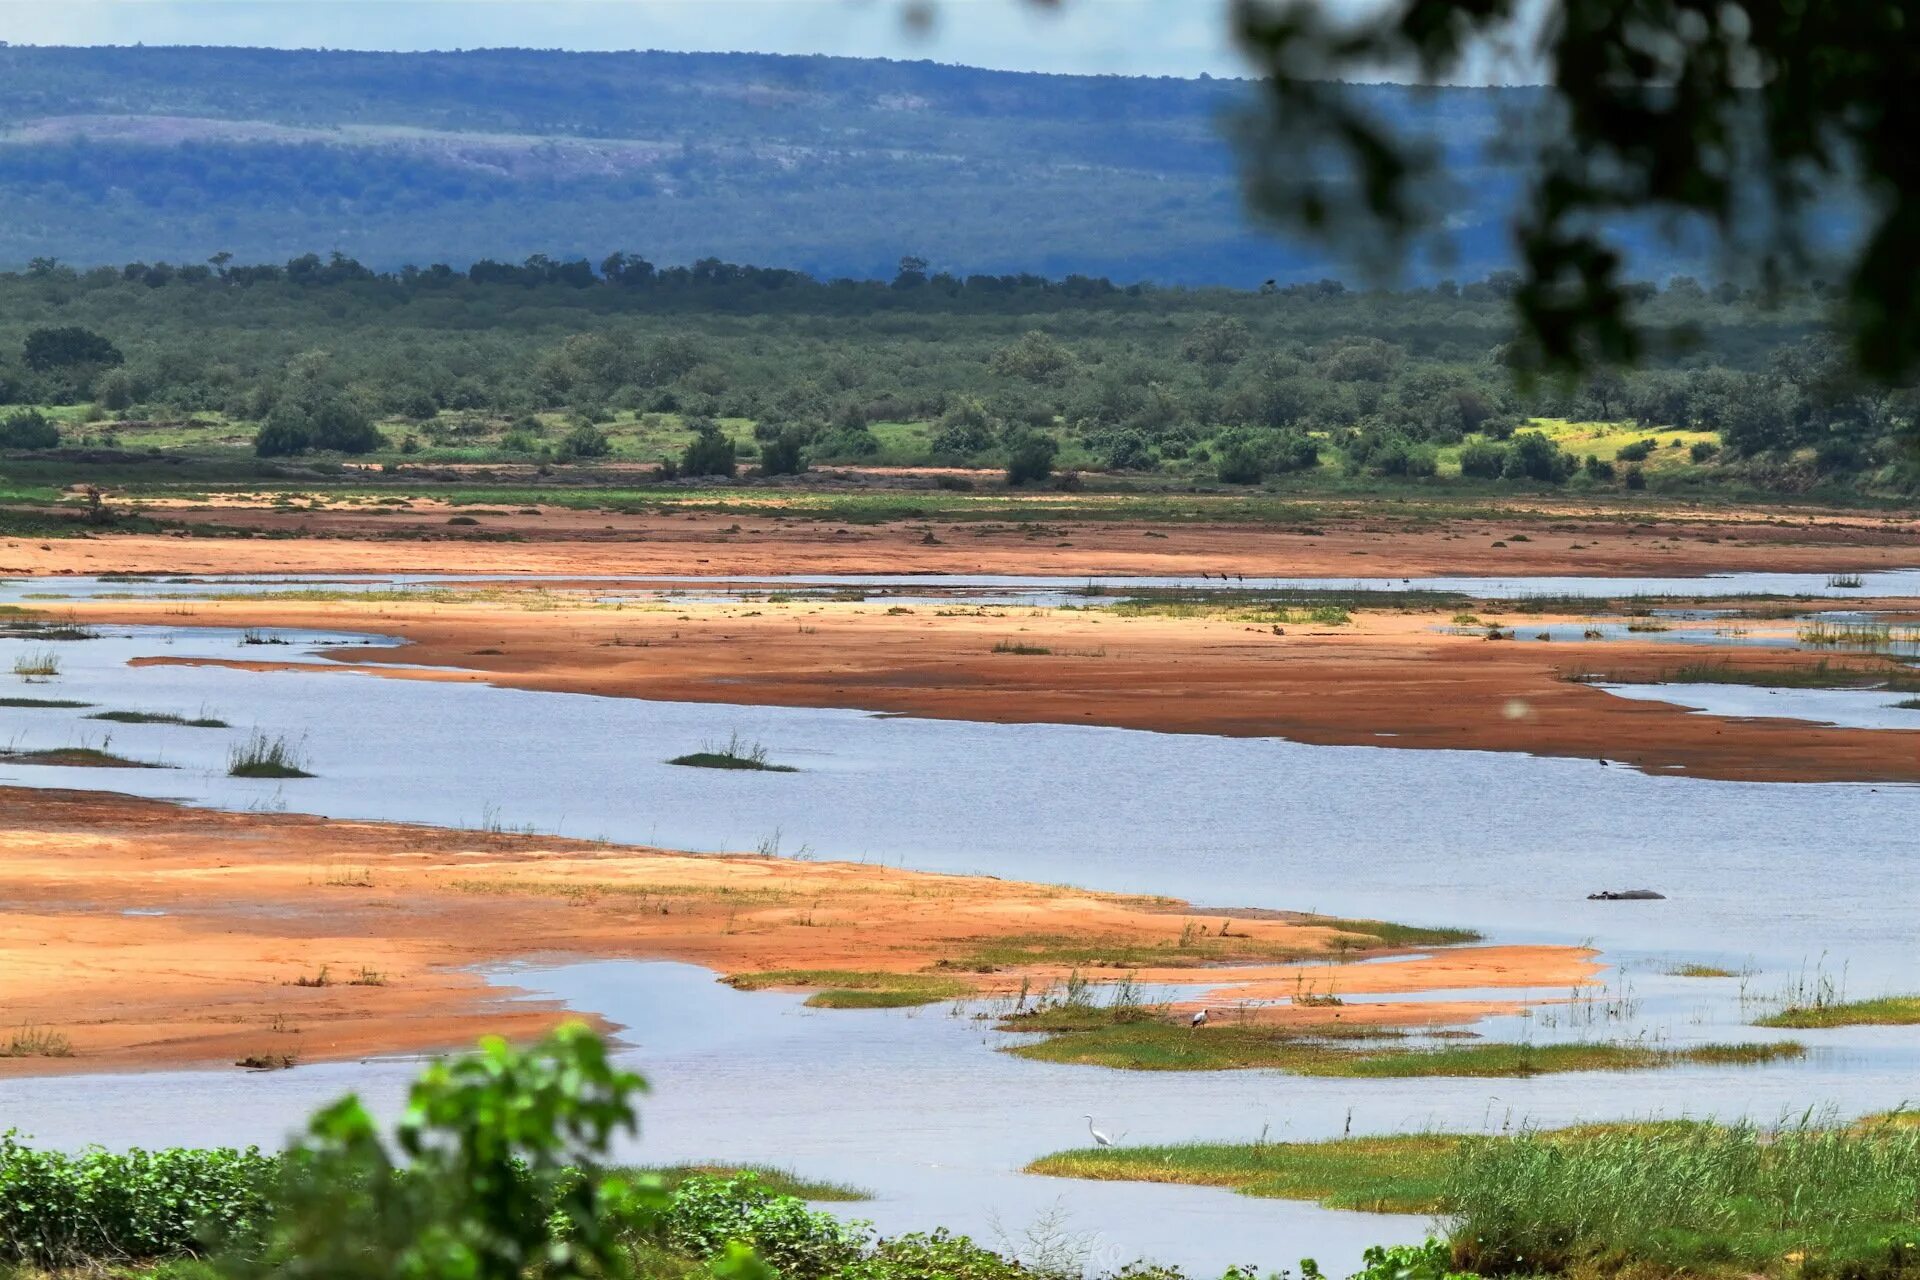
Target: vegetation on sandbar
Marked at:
76, 758
857, 989
1153, 1043
1884, 1011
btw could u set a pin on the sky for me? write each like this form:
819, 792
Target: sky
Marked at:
1089, 37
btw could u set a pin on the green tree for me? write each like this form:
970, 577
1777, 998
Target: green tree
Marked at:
29, 430
47, 350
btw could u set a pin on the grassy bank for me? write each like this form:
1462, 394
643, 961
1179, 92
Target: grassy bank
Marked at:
1640, 1200
1885, 1011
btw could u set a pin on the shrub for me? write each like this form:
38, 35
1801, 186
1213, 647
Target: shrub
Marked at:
1597, 468
1246, 458
937, 1255
61, 1210
587, 441
1638, 451
784, 454
709, 453
963, 430
1030, 457
707, 1213
1636, 478
1532, 456
29, 430
1703, 450
1483, 460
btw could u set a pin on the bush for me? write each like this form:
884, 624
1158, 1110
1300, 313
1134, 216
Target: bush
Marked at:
707, 1213
1483, 460
1636, 478
61, 1210
938, 1255
1638, 451
846, 442
1030, 457
588, 441
784, 455
709, 453
963, 430
316, 418
1246, 458
1599, 470
29, 430
1532, 456
1703, 450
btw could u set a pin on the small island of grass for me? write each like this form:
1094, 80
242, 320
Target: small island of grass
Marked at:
857, 989
263, 757
157, 717
48, 704
736, 754
1885, 1011
75, 758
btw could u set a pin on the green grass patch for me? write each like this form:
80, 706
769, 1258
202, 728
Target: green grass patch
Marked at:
1885, 1011
159, 717
1151, 1044
1394, 935
1025, 650
857, 989
45, 703
1400, 1174
1700, 971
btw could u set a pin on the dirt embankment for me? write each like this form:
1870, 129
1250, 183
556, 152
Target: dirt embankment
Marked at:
1399, 680
146, 934
1331, 539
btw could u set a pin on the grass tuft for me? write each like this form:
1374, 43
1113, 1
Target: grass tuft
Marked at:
263, 757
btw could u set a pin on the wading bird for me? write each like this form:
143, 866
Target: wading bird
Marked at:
1199, 1020
1099, 1139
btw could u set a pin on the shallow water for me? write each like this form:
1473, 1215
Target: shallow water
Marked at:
1846, 708
1780, 879
918, 1107
1007, 588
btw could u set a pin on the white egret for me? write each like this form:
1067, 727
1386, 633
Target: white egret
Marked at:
1100, 1139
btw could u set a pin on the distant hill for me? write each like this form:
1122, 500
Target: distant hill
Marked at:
837, 166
